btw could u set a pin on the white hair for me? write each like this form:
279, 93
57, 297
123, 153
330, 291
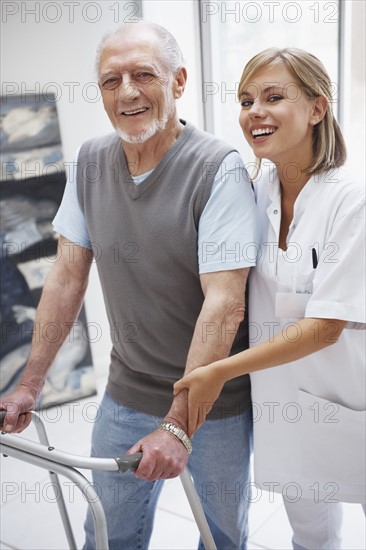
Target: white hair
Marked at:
170, 52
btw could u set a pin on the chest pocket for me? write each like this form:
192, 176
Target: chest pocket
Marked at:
291, 305
294, 283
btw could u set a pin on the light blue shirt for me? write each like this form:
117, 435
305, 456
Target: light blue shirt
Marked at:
227, 231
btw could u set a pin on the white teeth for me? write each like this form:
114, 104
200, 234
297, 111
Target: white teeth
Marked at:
263, 131
135, 112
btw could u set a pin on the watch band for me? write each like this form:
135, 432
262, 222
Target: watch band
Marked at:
179, 434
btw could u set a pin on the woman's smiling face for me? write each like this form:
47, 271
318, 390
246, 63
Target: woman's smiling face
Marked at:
277, 117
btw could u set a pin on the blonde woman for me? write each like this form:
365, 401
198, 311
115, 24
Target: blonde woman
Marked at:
307, 301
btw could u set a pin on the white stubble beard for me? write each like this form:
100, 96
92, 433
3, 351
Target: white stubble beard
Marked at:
156, 125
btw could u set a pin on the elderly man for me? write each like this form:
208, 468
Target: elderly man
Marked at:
168, 213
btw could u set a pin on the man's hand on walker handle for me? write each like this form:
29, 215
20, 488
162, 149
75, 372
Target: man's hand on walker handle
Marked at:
163, 456
16, 407
204, 386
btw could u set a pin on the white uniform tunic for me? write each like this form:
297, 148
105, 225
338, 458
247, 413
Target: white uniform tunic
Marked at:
309, 415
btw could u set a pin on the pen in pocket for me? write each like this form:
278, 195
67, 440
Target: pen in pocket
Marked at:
314, 258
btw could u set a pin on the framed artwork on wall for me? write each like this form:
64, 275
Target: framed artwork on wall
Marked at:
32, 184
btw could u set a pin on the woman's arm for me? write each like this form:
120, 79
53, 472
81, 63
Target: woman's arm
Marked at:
300, 339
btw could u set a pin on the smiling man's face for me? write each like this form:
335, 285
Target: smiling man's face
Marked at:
137, 88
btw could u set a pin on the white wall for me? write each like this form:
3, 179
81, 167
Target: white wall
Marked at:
50, 47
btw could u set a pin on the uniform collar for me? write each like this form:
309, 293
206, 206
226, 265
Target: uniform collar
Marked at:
301, 203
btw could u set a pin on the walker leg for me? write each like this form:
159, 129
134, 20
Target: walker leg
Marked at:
43, 438
197, 510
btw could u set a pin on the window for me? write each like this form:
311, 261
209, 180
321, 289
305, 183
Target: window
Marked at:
234, 31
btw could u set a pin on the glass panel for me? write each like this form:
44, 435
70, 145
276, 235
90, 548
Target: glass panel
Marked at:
239, 30
353, 88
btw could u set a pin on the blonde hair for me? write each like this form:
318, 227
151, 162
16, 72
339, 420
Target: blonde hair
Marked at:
329, 148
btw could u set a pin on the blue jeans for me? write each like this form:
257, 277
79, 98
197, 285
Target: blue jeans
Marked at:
219, 465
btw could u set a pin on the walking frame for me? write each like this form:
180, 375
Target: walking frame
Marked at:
66, 464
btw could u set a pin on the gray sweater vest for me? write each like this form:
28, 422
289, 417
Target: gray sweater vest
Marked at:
145, 246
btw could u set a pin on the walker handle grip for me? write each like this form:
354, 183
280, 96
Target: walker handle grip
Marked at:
129, 462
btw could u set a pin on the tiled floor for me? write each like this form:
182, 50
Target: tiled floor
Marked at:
30, 518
